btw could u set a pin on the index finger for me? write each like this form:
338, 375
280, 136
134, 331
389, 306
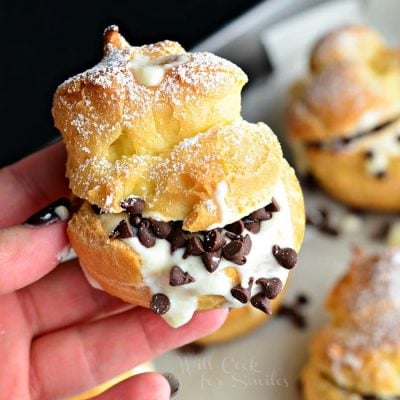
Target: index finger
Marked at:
30, 184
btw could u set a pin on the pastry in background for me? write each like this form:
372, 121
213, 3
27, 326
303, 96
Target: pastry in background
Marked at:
356, 356
343, 120
186, 205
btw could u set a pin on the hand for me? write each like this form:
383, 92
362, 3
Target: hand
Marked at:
58, 335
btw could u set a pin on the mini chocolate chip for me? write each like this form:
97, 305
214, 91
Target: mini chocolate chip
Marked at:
260, 215
273, 206
398, 138
177, 238
122, 231
161, 229
135, 220
231, 235
262, 302
235, 252
302, 299
369, 154
213, 240
133, 205
57, 211
236, 227
211, 260
271, 287
293, 315
178, 277
160, 303
192, 348
286, 256
253, 226
382, 231
145, 234
194, 247
380, 174
242, 294
96, 209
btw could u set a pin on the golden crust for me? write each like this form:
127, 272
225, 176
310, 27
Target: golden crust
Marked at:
115, 128
107, 260
358, 352
352, 74
349, 182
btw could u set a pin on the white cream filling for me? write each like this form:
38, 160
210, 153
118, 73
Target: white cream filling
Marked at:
151, 72
157, 262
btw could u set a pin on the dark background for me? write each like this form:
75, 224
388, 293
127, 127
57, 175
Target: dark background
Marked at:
45, 42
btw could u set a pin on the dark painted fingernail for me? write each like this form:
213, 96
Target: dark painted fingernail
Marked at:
57, 211
173, 382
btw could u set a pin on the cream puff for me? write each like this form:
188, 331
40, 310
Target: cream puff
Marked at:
356, 355
344, 119
186, 205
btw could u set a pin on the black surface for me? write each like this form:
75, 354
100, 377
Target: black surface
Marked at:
45, 42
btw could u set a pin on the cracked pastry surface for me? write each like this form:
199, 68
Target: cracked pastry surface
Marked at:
357, 354
346, 114
186, 205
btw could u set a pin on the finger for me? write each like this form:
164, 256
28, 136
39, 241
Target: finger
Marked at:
31, 183
146, 386
64, 298
27, 254
90, 354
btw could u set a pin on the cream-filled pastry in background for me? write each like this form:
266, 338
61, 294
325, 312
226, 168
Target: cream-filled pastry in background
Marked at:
356, 356
186, 205
343, 120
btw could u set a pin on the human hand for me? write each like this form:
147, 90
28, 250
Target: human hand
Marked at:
58, 335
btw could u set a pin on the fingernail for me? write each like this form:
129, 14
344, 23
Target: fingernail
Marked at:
173, 382
57, 211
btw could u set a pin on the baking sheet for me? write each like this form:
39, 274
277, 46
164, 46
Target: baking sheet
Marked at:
266, 364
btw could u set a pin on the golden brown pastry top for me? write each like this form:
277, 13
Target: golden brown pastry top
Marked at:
164, 125
366, 299
354, 85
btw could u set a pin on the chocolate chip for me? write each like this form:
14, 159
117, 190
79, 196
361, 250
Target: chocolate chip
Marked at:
57, 211
236, 227
231, 235
271, 287
286, 256
96, 209
135, 220
260, 215
293, 315
160, 303
145, 234
178, 277
133, 205
192, 348
369, 154
213, 240
242, 294
235, 252
122, 231
273, 206
382, 231
262, 302
177, 238
380, 174
194, 247
302, 299
211, 259
161, 229
253, 226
